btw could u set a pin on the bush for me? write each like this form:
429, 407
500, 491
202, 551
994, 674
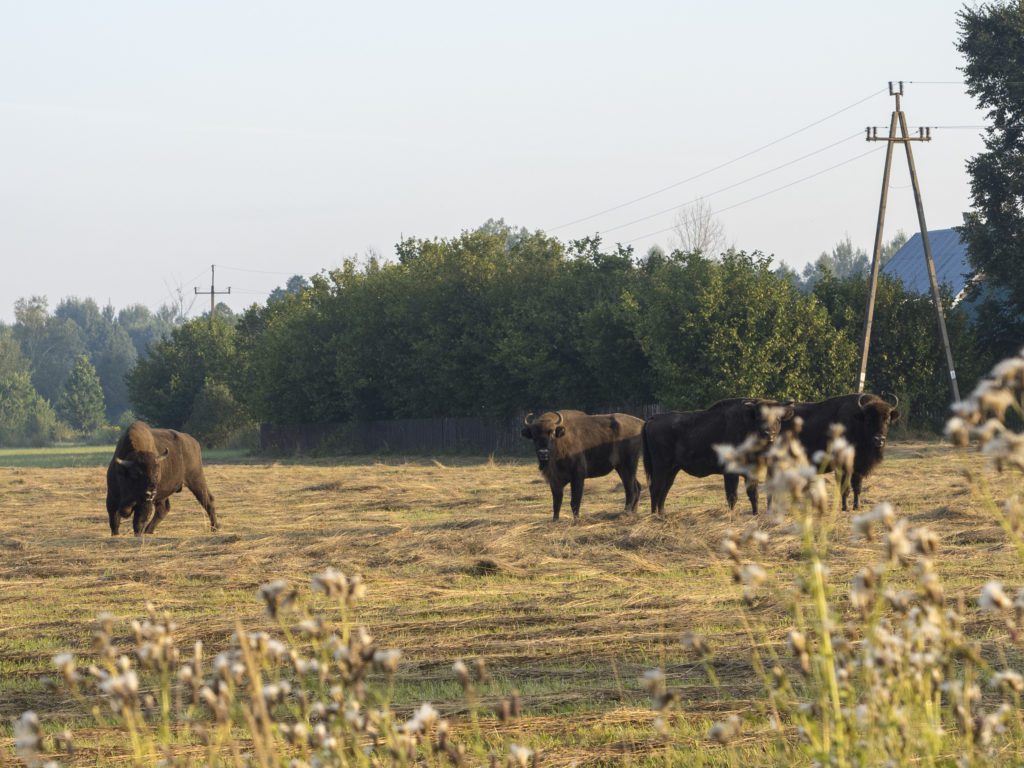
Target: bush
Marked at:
216, 416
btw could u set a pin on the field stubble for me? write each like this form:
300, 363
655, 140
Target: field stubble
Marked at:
461, 560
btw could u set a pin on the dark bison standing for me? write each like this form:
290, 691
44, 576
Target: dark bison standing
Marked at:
685, 440
148, 466
572, 446
865, 418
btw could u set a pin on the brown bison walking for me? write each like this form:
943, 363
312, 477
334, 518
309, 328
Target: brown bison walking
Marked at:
685, 441
572, 446
865, 419
148, 466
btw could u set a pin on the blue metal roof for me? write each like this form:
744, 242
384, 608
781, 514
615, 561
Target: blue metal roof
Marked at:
951, 265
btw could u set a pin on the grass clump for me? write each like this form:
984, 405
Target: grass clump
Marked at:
317, 694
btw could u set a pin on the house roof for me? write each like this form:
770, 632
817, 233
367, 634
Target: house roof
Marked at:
951, 265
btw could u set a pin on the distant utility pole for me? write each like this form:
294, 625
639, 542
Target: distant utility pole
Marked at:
904, 138
213, 292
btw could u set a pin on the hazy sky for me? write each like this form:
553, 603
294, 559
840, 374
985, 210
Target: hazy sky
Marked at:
141, 141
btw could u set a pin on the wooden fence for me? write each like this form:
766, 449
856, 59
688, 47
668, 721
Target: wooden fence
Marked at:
472, 435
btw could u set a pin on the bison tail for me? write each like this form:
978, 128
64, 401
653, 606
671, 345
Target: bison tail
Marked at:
648, 463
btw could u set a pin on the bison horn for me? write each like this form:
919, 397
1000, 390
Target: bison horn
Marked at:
526, 421
559, 415
860, 400
895, 399
164, 455
124, 462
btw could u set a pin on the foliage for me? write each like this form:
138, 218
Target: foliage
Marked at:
992, 42
216, 415
163, 387
846, 261
734, 328
906, 356
81, 401
25, 417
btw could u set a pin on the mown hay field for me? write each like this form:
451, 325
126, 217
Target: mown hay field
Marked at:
462, 560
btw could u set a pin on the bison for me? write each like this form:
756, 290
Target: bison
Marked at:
865, 419
572, 446
148, 466
685, 441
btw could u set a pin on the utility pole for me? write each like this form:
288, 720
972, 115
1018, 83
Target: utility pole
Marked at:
213, 292
899, 120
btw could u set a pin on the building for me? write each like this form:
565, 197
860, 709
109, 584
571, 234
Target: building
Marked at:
951, 266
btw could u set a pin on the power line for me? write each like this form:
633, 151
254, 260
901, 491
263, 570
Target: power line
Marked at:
769, 192
737, 184
719, 167
255, 271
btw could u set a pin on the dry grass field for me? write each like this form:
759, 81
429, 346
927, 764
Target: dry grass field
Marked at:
461, 560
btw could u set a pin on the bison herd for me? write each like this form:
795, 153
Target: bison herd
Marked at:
572, 446
149, 465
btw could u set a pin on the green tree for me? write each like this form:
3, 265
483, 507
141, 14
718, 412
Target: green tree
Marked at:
163, 387
50, 344
992, 42
81, 402
735, 327
216, 415
906, 357
25, 417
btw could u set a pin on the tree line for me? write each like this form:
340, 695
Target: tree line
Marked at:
499, 320
62, 373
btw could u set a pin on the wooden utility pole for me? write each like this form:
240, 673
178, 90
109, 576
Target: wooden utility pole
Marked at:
899, 120
213, 292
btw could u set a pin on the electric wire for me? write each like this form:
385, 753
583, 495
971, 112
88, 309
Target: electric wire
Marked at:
769, 192
736, 184
255, 271
720, 166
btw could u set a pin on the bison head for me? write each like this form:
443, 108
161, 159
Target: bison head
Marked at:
544, 431
138, 475
872, 419
766, 417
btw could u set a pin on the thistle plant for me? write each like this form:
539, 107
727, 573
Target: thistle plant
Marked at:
886, 676
317, 695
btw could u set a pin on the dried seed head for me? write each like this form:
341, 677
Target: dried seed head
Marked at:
331, 582
725, 731
462, 672
519, 757
1008, 681
993, 598
797, 642
654, 681
695, 643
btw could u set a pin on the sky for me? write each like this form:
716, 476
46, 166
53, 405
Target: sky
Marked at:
143, 141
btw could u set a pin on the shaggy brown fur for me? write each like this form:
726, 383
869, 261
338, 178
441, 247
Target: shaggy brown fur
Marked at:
865, 419
685, 441
148, 466
572, 446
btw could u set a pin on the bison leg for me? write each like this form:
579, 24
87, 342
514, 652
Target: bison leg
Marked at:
661, 484
855, 483
162, 508
141, 517
576, 495
631, 486
843, 481
113, 513
732, 484
204, 497
557, 492
752, 494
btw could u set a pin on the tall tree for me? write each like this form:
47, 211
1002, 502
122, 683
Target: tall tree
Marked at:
992, 42
81, 402
25, 417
